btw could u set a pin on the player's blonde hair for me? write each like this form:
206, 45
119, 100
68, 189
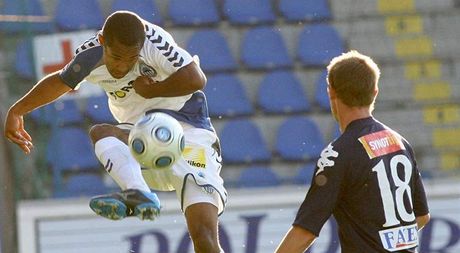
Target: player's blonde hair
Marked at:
354, 77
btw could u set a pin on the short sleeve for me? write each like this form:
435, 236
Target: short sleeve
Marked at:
81, 66
161, 50
324, 192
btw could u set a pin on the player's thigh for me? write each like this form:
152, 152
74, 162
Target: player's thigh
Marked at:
197, 174
100, 131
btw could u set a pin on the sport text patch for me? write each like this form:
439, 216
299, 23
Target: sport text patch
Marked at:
381, 143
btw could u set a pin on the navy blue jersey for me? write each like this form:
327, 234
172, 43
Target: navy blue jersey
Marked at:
369, 180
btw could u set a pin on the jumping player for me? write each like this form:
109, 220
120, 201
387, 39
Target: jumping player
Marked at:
142, 70
367, 178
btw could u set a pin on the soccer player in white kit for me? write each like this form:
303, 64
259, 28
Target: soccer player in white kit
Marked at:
142, 70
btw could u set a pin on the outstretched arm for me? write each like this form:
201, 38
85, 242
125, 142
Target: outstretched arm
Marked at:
45, 91
186, 80
297, 240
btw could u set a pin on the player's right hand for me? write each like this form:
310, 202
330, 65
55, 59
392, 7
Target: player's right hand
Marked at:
15, 132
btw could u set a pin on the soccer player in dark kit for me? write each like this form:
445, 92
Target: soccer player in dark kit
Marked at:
367, 178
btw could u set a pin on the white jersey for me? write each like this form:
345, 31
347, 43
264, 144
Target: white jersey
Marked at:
160, 57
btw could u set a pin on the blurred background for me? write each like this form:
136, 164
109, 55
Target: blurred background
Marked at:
265, 62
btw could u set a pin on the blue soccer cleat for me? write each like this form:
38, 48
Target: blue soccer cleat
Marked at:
131, 202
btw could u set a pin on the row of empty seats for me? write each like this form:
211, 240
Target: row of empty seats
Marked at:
93, 182
71, 158
261, 48
353, 9
70, 112
279, 92
87, 14
298, 140
298, 137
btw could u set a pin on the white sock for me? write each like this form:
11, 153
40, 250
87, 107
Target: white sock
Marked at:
118, 162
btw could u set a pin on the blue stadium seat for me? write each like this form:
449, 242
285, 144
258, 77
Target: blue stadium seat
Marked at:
303, 10
226, 96
242, 142
97, 110
249, 12
282, 92
258, 177
24, 65
73, 15
70, 149
43, 115
66, 112
63, 112
321, 96
81, 185
264, 48
213, 50
318, 44
299, 138
193, 12
305, 174
31, 8
146, 9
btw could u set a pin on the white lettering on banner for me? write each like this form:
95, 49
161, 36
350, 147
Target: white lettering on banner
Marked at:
399, 238
324, 160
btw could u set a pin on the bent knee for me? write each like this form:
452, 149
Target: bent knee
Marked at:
101, 131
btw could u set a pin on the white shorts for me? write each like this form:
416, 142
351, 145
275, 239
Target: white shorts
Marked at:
196, 176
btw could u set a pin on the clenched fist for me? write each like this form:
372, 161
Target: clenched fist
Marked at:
144, 86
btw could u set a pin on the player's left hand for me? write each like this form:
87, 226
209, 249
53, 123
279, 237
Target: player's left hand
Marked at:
144, 86
15, 132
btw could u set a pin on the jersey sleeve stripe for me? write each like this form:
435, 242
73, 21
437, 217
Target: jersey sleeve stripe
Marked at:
157, 40
168, 53
178, 64
164, 46
174, 57
92, 42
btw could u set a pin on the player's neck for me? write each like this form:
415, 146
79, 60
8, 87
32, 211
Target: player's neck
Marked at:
348, 114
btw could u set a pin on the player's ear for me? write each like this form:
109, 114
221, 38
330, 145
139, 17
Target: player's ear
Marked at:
101, 39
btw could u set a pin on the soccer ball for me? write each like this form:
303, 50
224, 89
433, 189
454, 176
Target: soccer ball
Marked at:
156, 141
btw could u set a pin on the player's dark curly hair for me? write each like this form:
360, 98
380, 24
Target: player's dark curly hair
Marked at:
125, 27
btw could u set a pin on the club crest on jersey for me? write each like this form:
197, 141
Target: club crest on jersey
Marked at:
399, 238
146, 70
381, 143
